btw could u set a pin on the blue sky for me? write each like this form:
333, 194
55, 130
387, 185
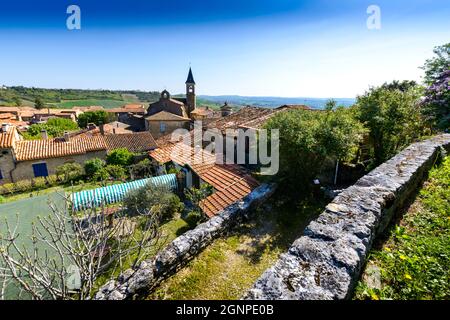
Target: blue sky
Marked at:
264, 48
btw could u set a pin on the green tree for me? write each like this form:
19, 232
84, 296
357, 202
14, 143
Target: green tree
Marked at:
308, 138
38, 103
55, 127
92, 166
437, 65
121, 157
69, 171
116, 172
392, 115
161, 202
436, 105
17, 101
142, 169
196, 195
101, 175
97, 117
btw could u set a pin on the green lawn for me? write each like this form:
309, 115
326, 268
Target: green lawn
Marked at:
230, 265
413, 263
59, 189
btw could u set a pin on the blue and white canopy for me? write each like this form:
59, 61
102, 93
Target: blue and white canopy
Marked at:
115, 193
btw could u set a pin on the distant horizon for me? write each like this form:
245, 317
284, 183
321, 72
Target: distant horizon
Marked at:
175, 94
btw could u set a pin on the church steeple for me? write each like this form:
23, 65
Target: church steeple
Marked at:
190, 93
190, 78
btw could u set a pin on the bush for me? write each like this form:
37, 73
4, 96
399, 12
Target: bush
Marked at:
68, 172
120, 157
171, 205
155, 200
39, 183
116, 172
391, 113
23, 186
142, 169
91, 167
52, 180
193, 218
97, 117
100, 175
7, 188
195, 196
309, 138
55, 127
2, 199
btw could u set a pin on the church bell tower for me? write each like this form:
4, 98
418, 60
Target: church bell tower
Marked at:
190, 93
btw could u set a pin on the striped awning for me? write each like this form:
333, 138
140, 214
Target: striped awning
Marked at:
115, 193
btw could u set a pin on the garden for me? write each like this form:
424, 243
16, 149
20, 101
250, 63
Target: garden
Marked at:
100, 239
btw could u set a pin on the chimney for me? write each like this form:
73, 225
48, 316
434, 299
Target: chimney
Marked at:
5, 127
66, 136
102, 129
44, 134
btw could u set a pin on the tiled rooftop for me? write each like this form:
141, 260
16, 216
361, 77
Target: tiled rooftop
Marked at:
135, 142
80, 144
7, 138
58, 147
240, 118
166, 116
230, 182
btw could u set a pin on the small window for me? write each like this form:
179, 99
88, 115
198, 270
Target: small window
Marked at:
162, 127
40, 169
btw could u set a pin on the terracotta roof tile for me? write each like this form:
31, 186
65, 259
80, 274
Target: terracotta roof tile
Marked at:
166, 116
240, 118
7, 138
231, 182
135, 142
58, 147
81, 144
202, 111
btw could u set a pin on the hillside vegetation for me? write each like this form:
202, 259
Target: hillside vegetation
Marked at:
413, 262
67, 98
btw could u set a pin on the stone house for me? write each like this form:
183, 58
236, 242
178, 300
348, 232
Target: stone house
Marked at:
230, 182
164, 122
26, 159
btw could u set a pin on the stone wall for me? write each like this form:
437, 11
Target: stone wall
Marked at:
24, 169
6, 165
326, 262
184, 248
171, 126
